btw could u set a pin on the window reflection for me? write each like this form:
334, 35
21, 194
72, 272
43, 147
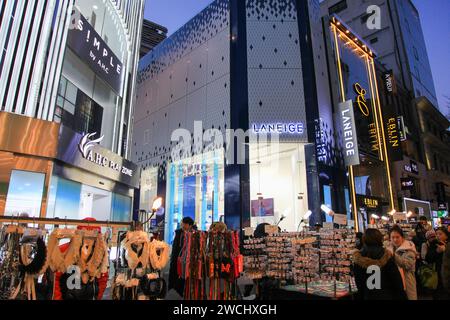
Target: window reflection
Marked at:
25, 193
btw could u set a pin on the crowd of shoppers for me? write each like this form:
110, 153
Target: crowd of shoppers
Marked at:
403, 269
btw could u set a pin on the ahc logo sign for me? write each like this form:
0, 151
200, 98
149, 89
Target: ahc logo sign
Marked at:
86, 145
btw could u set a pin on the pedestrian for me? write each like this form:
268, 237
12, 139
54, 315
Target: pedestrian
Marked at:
405, 253
435, 256
431, 239
420, 232
389, 285
175, 282
358, 242
446, 272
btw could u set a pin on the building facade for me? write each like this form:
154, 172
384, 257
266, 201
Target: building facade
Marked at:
152, 35
69, 69
399, 43
402, 55
239, 66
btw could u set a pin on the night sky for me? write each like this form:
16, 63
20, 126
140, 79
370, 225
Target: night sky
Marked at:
435, 23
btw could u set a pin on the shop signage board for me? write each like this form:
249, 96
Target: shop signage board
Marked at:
393, 136
279, 128
400, 216
389, 82
89, 46
340, 219
84, 152
414, 167
407, 183
346, 118
401, 128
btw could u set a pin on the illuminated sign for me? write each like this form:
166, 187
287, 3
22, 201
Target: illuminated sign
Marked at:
89, 46
371, 203
414, 167
389, 82
85, 147
279, 128
349, 136
361, 99
407, 183
81, 152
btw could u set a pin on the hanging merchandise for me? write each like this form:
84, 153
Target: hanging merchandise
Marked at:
138, 274
311, 262
158, 254
33, 262
9, 261
210, 263
136, 245
86, 255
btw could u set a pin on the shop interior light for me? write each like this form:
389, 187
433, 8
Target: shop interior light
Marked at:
375, 216
157, 204
392, 212
409, 214
327, 210
307, 215
384, 218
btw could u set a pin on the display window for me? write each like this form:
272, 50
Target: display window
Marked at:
73, 200
25, 193
278, 184
195, 189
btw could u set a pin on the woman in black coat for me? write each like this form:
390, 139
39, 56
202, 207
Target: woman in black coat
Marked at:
389, 286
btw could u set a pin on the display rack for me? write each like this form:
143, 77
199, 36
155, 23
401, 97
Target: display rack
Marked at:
64, 222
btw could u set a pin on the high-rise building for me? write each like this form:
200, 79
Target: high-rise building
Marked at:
152, 35
67, 91
399, 43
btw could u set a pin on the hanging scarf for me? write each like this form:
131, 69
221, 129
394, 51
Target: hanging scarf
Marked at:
133, 257
158, 254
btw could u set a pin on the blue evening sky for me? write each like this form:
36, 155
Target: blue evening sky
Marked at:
435, 23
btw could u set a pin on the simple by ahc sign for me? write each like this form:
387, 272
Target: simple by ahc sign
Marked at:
89, 46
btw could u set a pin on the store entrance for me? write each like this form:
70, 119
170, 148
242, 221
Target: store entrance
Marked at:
95, 203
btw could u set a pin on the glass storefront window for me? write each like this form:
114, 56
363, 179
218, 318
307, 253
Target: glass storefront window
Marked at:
25, 193
195, 188
278, 184
121, 208
149, 188
73, 200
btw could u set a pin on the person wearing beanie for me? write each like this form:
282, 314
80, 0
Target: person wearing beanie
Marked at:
431, 238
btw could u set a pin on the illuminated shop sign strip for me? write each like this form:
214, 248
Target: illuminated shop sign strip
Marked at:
347, 121
280, 128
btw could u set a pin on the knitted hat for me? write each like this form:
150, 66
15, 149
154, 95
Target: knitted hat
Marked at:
430, 234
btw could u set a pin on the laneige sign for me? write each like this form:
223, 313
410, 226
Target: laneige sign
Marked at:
89, 46
346, 118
